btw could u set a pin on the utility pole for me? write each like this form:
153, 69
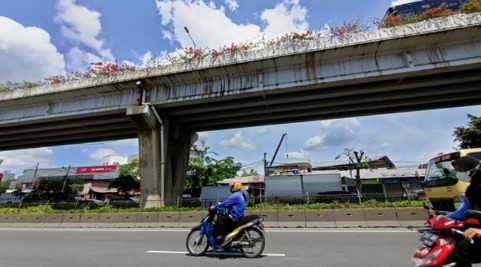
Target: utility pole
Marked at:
34, 178
65, 179
266, 172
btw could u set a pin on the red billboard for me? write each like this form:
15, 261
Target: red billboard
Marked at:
96, 169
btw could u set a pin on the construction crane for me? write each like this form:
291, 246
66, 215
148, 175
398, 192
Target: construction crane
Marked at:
266, 173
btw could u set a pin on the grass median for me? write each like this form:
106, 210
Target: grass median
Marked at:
47, 209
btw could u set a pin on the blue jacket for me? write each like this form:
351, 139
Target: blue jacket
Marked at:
459, 213
233, 206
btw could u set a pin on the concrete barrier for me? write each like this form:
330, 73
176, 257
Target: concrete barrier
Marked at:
412, 217
350, 218
147, 219
270, 217
169, 219
29, 220
107, 220
88, 220
399, 217
52, 220
191, 219
381, 218
7, 220
294, 218
126, 220
320, 219
70, 220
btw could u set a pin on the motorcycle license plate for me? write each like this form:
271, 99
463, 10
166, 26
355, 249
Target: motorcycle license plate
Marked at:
428, 238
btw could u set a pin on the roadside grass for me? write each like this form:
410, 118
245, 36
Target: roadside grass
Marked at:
47, 209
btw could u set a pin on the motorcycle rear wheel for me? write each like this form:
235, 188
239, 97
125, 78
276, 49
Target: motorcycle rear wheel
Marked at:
196, 243
253, 243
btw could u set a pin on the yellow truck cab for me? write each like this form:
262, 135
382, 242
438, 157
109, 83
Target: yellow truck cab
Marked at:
444, 192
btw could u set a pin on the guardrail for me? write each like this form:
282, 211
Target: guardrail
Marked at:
337, 218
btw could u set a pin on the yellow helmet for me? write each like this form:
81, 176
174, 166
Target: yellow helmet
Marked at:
235, 185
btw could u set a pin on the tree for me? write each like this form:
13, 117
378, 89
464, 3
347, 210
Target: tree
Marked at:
470, 136
49, 190
252, 172
125, 184
357, 161
205, 171
4, 186
130, 169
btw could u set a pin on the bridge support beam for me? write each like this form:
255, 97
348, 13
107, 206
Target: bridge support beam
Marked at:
164, 149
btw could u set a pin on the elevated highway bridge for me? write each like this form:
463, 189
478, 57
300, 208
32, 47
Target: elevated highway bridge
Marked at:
428, 65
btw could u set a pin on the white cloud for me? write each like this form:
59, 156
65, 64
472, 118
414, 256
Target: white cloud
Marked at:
288, 16
314, 142
335, 133
233, 5
18, 160
239, 141
126, 143
26, 53
263, 130
82, 26
78, 59
100, 153
219, 30
297, 155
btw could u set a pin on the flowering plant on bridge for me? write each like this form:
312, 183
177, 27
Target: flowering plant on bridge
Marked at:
230, 50
392, 21
440, 11
96, 69
354, 26
192, 54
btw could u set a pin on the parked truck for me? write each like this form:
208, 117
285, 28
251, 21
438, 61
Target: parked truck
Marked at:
444, 192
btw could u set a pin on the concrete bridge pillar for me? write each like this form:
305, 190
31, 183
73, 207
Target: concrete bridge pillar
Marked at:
164, 148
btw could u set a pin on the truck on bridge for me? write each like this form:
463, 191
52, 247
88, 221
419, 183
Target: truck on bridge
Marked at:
417, 7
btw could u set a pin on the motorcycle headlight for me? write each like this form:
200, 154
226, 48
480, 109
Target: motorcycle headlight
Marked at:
417, 262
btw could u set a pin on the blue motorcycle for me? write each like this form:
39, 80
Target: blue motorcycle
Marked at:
247, 237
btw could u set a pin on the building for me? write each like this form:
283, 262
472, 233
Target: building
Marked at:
95, 179
119, 160
383, 181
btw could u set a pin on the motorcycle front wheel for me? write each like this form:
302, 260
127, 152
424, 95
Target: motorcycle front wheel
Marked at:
196, 243
253, 243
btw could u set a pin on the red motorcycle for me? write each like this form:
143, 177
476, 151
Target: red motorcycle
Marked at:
439, 240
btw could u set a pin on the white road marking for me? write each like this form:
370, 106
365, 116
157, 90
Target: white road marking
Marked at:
211, 253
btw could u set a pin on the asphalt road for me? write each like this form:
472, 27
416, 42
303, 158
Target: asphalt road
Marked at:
166, 248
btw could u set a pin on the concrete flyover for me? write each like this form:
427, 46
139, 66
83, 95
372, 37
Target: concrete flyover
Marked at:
427, 65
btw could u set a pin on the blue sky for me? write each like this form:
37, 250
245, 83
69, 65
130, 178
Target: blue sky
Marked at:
49, 37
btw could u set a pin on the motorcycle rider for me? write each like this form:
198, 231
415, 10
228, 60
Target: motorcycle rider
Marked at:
232, 209
468, 169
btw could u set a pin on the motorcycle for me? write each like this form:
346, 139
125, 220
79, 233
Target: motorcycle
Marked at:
439, 241
247, 237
